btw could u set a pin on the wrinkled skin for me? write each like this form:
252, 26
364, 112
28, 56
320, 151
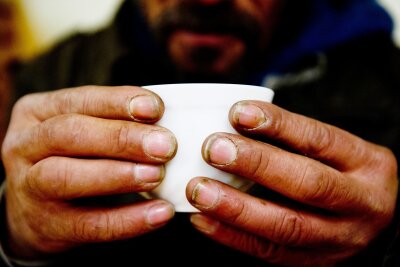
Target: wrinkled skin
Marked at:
93, 141
350, 185
83, 142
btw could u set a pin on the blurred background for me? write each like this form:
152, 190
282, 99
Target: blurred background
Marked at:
28, 27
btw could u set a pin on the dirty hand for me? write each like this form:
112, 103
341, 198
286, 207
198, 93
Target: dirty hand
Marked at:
81, 143
342, 189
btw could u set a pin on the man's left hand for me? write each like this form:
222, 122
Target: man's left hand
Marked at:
343, 188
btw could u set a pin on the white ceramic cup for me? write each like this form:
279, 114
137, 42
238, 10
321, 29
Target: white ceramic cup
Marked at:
192, 113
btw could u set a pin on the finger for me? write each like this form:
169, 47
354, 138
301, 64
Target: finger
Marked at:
297, 177
70, 178
266, 219
315, 139
84, 136
261, 248
87, 225
124, 103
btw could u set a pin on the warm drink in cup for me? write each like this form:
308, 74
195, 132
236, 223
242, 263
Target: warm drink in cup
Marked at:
192, 113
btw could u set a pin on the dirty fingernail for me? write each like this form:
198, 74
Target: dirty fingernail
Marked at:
220, 150
248, 116
159, 214
145, 173
204, 224
159, 145
205, 194
144, 107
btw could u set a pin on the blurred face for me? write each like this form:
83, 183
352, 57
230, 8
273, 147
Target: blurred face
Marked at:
212, 36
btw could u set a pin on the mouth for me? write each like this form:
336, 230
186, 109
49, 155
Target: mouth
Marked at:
206, 26
199, 39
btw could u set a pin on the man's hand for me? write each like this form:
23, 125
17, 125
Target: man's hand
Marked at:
81, 143
345, 188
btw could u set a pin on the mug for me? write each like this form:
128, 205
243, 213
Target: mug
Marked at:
192, 113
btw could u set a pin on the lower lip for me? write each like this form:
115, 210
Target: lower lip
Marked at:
203, 39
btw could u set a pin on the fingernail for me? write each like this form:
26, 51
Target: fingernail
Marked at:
248, 116
205, 194
144, 107
144, 173
220, 150
159, 144
204, 224
160, 214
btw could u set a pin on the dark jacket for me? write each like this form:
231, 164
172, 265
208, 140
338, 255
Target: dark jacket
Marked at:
354, 84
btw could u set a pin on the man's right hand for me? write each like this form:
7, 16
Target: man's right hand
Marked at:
78, 143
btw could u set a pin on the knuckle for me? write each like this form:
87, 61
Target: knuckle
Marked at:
52, 134
258, 164
387, 162
49, 179
389, 155
100, 227
10, 146
85, 228
382, 206
76, 129
89, 228
121, 138
63, 102
322, 136
290, 230
318, 186
237, 212
22, 104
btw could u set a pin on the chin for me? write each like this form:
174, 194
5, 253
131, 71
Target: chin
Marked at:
206, 54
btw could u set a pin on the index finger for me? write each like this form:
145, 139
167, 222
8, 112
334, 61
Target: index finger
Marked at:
123, 103
329, 144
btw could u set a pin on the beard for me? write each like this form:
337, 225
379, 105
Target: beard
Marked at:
222, 19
